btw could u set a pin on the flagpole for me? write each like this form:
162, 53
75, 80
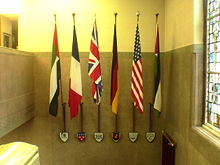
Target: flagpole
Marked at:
63, 134
133, 117
61, 94
99, 117
81, 117
81, 136
116, 115
150, 119
114, 94
157, 14
150, 135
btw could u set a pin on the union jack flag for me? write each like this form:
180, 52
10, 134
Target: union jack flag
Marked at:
94, 69
137, 76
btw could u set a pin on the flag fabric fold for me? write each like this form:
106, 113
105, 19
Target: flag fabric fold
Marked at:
137, 75
114, 75
55, 76
158, 96
75, 82
94, 68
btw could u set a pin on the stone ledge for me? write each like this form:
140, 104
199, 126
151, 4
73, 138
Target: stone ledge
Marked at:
10, 51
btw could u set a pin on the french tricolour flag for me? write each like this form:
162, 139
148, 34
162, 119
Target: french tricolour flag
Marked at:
75, 83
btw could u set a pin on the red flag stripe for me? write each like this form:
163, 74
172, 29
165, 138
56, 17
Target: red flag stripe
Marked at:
135, 88
94, 69
94, 50
74, 102
137, 84
55, 41
137, 78
136, 103
95, 74
138, 69
140, 88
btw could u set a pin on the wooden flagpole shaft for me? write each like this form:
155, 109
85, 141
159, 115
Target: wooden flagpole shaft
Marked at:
150, 119
99, 117
63, 106
116, 122
81, 117
61, 94
64, 117
116, 115
133, 117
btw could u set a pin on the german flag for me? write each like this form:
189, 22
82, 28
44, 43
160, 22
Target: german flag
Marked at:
114, 75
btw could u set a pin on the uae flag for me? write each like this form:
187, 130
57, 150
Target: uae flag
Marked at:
75, 82
115, 77
94, 68
157, 99
55, 76
137, 75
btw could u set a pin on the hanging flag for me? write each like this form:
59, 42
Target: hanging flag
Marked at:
94, 69
55, 76
157, 99
137, 76
114, 78
75, 82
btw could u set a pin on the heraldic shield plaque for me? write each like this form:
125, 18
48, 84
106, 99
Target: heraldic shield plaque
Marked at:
81, 136
150, 136
115, 136
99, 136
64, 136
133, 136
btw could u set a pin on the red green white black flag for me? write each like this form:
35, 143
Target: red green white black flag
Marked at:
55, 76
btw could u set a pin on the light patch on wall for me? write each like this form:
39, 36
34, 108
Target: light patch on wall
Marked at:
9, 6
36, 23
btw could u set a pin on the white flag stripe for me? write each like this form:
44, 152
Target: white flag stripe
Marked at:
75, 75
53, 79
91, 56
157, 102
94, 42
98, 80
137, 80
139, 65
138, 87
138, 74
137, 97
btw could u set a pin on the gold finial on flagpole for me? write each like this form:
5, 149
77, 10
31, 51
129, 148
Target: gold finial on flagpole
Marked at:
138, 14
157, 16
74, 18
55, 17
115, 17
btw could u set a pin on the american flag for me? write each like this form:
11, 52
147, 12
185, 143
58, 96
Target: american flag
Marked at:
137, 76
94, 69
